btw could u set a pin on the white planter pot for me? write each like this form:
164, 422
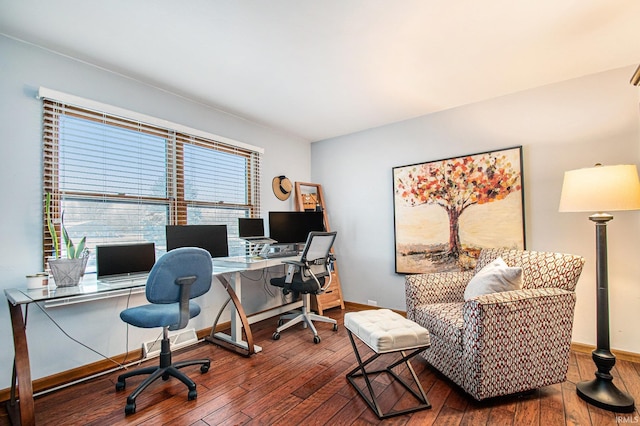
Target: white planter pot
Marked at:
67, 272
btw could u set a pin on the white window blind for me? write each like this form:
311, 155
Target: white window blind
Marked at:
116, 180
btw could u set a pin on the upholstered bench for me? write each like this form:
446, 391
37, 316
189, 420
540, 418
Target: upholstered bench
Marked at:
386, 332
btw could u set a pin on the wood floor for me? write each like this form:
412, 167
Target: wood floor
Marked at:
294, 381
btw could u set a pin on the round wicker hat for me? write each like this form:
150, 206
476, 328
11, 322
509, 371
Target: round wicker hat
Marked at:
281, 187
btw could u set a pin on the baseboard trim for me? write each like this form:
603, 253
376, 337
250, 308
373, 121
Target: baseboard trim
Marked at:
622, 355
352, 306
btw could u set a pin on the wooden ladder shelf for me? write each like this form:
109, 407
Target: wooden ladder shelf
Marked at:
309, 196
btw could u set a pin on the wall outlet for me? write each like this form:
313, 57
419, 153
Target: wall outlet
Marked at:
372, 303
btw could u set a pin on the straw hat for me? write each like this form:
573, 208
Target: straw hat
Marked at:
281, 187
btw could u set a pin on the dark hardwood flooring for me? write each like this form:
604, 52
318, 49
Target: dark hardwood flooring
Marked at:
294, 381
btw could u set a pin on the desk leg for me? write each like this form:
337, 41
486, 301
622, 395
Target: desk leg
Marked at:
239, 321
21, 410
236, 320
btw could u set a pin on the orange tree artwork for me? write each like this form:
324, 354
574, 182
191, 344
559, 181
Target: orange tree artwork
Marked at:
457, 184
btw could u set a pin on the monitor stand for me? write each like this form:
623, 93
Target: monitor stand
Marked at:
259, 249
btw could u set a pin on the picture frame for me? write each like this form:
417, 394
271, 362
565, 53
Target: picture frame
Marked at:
446, 211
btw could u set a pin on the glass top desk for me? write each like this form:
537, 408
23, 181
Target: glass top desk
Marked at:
226, 271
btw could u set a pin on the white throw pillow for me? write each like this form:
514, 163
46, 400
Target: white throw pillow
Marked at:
493, 278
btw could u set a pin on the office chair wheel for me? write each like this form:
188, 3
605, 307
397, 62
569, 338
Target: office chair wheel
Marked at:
280, 322
130, 408
193, 394
316, 339
335, 327
165, 377
276, 336
120, 386
204, 368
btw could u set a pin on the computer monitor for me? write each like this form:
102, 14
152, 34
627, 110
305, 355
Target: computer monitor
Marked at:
250, 227
212, 238
294, 227
124, 259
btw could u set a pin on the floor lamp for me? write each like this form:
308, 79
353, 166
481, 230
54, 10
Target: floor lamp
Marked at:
599, 189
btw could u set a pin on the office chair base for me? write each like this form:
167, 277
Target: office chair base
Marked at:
164, 372
306, 318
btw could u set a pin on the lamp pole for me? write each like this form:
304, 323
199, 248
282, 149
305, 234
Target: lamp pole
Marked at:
601, 391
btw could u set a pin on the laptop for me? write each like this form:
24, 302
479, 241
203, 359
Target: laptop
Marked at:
125, 263
252, 230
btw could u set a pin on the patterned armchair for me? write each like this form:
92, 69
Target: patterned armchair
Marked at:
500, 343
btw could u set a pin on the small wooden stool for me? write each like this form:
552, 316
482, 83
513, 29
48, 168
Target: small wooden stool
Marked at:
385, 332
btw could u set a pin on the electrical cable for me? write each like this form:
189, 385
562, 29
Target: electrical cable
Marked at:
120, 365
76, 340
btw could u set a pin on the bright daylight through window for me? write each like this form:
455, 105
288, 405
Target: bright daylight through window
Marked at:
120, 180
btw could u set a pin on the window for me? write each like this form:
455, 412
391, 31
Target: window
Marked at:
121, 180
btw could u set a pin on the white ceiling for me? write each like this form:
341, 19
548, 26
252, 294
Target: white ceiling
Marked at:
324, 68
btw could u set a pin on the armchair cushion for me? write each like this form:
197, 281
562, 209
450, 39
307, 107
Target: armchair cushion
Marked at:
494, 278
444, 320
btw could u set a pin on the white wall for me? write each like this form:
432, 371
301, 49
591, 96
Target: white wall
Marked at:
24, 68
561, 127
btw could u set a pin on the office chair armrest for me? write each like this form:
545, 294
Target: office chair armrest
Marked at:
291, 270
185, 290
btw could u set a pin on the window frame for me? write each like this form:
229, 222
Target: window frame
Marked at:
176, 137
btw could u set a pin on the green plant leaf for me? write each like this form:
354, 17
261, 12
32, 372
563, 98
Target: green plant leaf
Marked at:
51, 227
71, 252
80, 248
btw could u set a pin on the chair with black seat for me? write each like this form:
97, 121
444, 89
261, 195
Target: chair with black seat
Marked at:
177, 277
309, 275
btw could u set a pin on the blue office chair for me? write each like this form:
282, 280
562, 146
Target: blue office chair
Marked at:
309, 275
178, 276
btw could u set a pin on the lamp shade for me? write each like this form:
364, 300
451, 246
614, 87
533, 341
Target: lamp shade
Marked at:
601, 189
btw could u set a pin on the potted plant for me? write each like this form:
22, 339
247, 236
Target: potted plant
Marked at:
66, 271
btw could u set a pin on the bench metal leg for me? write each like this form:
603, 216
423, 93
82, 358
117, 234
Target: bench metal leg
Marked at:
370, 399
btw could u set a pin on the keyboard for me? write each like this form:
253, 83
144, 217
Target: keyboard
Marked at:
124, 279
258, 240
277, 254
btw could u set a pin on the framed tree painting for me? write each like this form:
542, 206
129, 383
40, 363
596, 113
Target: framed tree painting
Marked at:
446, 211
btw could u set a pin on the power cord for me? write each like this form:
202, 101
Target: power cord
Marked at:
119, 365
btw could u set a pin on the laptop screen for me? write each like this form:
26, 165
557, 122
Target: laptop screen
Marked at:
124, 259
250, 227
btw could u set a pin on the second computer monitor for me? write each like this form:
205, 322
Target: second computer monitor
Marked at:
294, 227
250, 227
212, 238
